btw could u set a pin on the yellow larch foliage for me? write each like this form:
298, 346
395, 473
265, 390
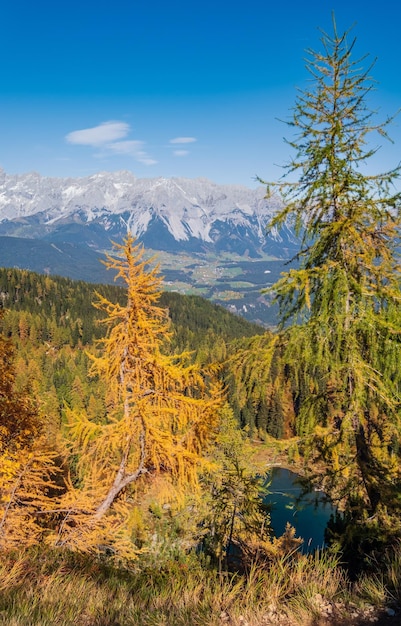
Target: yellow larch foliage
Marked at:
162, 410
27, 465
26, 503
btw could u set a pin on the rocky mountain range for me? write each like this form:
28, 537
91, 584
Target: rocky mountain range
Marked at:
59, 225
166, 214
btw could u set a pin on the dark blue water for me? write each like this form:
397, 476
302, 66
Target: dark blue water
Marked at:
309, 514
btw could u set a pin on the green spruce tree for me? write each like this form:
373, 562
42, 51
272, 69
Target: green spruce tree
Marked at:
340, 304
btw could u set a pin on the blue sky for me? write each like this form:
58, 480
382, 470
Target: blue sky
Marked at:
173, 88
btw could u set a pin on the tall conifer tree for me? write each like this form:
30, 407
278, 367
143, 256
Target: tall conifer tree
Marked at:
161, 412
341, 305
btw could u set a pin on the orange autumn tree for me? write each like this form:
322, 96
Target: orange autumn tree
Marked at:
27, 468
162, 412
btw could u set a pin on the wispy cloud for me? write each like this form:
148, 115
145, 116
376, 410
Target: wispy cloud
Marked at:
106, 132
105, 137
180, 153
133, 148
183, 140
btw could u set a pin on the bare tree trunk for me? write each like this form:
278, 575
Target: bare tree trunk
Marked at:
122, 480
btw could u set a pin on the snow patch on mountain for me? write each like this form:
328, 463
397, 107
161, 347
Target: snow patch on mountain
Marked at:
187, 209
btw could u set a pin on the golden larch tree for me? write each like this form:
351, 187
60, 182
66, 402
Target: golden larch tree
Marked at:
27, 462
162, 410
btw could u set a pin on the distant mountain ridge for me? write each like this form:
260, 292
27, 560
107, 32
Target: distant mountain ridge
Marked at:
211, 240
177, 214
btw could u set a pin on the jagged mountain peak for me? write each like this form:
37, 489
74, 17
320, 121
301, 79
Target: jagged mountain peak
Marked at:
190, 212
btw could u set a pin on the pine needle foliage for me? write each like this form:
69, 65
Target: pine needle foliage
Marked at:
161, 410
235, 518
258, 385
340, 309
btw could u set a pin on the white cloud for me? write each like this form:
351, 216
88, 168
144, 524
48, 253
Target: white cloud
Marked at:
183, 140
180, 153
145, 159
133, 148
105, 133
105, 138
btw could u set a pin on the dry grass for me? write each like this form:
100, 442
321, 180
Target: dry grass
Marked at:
46, 588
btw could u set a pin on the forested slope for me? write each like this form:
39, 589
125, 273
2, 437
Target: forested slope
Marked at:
44, 302
52, 321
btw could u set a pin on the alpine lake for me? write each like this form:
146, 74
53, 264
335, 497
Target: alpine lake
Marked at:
287, 501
